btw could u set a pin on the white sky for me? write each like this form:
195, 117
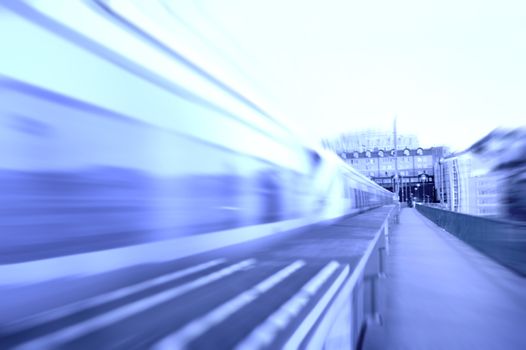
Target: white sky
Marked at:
451, 70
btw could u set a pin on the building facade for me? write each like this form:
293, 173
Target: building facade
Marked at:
487, 179
466, 185
371, 139
416, 169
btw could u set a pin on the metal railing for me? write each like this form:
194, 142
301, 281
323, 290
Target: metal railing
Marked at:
360, 300
504, 241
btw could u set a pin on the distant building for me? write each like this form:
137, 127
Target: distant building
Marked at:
466, 185
370, 139
416, 169
487, 179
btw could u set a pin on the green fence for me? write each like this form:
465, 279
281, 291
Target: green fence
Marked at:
504, 241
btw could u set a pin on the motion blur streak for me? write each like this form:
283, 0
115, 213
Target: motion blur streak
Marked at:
127, 143
105, 298
264, 334
198, 327
113, 138
78, 330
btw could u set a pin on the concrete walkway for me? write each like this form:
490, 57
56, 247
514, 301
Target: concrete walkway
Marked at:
443, 294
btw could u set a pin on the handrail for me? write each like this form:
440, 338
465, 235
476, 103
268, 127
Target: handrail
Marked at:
360, 297
504, 241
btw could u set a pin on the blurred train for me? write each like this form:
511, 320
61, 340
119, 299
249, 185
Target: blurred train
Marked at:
112, 135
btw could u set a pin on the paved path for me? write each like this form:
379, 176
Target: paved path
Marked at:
443, 294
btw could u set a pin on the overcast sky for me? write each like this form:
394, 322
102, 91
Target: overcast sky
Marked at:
451, 70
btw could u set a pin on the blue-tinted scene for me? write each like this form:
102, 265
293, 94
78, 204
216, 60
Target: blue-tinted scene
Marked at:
262, 175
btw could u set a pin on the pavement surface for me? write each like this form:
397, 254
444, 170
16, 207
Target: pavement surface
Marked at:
443, 294
256, 295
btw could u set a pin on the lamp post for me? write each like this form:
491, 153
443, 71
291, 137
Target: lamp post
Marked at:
396, 188
440, 179
424, 179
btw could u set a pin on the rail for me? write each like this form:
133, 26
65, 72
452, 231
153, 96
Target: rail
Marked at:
360, 301
504, 241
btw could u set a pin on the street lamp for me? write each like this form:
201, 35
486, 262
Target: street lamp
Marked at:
424, 179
